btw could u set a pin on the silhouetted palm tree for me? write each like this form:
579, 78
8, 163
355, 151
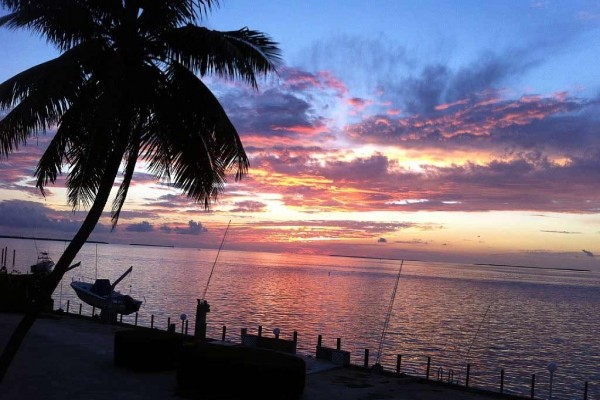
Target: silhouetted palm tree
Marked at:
126, 87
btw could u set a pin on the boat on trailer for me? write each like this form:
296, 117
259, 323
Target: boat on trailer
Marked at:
43, 265
102, 294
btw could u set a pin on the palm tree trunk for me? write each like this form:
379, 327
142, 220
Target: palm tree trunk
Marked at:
62, 266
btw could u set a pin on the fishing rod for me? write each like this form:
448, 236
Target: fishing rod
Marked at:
215, 263
387, 318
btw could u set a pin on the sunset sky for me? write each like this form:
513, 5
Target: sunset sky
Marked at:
434, 130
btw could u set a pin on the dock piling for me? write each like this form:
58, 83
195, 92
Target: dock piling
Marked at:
366, 358
468, 375
428, 368
398, 363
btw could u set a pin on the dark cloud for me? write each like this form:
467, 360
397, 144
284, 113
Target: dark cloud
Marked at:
143, 226
563, 232
193, 228
35, 216
166, 228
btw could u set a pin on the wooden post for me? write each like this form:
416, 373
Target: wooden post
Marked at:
186, 326
428, 368
533, 386
244, 332
121, 318
319, 340
223, 334
80, 308
136, 317
339, 344
585, 390
168, 323
14, 252
151, 321
366, 358
295, 337
259, 330
93, 311
398, 363
468, 375
502, 380
67, 306
202, 308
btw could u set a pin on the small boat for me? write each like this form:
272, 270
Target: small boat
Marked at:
102, 294
43, 265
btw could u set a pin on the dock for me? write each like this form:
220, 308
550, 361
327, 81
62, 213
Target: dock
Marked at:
70, 357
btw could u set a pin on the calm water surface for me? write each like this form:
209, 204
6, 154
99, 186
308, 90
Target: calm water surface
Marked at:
492, 318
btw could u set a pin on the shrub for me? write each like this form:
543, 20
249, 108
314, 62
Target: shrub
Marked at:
224, 371
147, 349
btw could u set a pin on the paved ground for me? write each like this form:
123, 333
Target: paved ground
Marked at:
64, 357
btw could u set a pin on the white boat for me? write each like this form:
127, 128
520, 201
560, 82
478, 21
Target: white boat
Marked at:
102, 294
43, 265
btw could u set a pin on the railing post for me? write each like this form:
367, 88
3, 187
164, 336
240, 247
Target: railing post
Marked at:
295, 337
80, 308
93, 311
533, 386
136, 318
366, 358
168, 323
68, 306
398, 363
223, 333
428, 368
339, 344
319, 340
585, 390
151, 321
502, 380
259, 330
468, 375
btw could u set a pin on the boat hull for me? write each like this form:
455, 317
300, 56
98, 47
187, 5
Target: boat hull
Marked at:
115, 302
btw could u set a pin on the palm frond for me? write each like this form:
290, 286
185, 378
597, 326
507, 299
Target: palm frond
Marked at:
191, 139
241, 54
63, 23
41, 95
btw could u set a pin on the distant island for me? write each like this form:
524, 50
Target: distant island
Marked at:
47, 239
372, 258
151, 245
529, 266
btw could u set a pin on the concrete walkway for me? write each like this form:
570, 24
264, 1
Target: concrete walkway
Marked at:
65, 357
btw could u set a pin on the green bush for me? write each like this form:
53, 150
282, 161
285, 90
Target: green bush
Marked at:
147, 349
239, 371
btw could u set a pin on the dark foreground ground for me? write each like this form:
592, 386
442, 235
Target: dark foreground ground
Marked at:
65, 357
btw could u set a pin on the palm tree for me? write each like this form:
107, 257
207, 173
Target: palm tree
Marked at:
126, 86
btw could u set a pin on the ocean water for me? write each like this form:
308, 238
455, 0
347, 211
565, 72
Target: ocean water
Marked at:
492, 318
